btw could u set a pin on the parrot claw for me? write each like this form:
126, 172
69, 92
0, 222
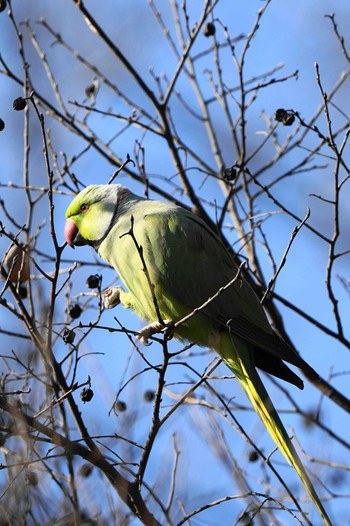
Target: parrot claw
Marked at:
111, 297
153, 328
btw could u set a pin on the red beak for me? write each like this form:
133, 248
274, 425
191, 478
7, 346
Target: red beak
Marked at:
70, 231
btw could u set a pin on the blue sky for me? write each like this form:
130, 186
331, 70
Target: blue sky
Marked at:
293, 33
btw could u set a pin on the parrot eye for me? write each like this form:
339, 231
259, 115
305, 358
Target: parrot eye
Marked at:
84, 208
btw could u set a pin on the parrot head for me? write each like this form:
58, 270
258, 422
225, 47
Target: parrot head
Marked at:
92, 213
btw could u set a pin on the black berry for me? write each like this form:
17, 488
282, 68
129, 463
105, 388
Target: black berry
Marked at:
19, 104
120, 406
68, 336
148, 396
230, 174
86, 394
209, 29
253, 456
93, 281
75, 311
286, 117
23, 292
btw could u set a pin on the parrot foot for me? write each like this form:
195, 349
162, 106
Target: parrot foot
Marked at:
153, 328
112, 297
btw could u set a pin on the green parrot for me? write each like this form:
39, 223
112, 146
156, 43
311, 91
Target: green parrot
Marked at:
171, 263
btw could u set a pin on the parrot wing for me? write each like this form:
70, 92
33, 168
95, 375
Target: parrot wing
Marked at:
193, 246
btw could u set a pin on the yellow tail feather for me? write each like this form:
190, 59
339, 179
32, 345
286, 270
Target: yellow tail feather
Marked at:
238, 358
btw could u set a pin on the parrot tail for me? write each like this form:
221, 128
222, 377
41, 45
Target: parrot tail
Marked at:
235, 353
